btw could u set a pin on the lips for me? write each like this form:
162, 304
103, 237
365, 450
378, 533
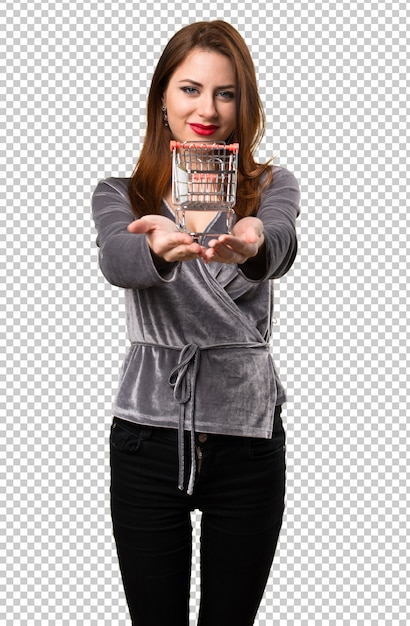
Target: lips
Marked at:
202, 130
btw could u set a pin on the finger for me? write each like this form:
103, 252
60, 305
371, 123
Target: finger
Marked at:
148, 223
223, 256
141, 226
177, 238
247, 236
233, 247
184, 253
168, 238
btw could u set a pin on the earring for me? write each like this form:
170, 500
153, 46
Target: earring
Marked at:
164, 112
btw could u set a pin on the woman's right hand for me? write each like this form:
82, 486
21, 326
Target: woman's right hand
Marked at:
165, 240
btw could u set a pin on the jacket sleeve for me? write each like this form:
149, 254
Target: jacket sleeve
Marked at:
125, 258
278, 211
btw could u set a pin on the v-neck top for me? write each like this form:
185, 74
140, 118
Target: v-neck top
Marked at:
201, 348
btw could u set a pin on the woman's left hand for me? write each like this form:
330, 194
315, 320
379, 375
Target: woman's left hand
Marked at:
242, 244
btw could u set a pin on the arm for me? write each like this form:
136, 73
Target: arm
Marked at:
135, 253
265, 246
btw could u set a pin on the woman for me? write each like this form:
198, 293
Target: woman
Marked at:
198, 412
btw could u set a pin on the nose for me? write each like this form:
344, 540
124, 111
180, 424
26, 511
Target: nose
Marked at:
206, 106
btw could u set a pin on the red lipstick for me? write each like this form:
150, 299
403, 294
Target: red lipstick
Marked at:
200, 129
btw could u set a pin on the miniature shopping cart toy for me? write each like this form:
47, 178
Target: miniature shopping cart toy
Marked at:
204, 178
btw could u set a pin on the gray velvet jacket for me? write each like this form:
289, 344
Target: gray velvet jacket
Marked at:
200, 355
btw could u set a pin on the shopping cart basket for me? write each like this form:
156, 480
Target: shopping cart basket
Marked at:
204, 178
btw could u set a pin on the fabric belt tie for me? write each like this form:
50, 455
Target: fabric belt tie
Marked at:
183, 380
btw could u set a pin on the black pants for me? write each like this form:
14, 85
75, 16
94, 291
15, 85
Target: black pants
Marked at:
240, 490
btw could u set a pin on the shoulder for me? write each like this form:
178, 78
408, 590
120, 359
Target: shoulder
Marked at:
118, 185
280, 176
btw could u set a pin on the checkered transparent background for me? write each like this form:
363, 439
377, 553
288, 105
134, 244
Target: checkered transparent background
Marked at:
333, 79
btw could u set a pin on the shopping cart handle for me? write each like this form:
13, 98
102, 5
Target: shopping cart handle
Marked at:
232, 147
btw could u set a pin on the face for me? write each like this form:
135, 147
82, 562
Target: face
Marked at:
201, 98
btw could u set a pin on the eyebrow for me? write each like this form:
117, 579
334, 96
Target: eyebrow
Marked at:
194, 82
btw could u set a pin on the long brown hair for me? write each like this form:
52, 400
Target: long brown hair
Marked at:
151, 177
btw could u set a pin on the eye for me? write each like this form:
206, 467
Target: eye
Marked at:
226, 95
189, 90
